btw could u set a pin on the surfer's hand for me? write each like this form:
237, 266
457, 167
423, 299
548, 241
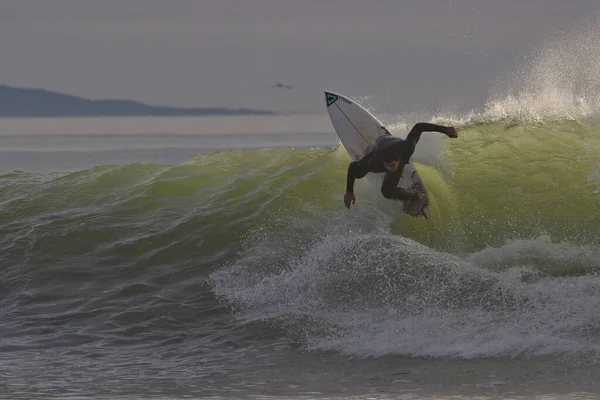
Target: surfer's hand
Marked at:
452, 132
349, 198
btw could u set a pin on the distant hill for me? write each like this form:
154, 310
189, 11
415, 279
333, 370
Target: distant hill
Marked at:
22, 102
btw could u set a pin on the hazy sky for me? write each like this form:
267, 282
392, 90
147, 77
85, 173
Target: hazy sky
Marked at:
411, 54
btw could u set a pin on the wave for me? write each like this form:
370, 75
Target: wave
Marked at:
511, 269
498, 182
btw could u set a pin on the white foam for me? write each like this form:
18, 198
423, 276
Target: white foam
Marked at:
373, 294
559, 319
539, 251
558, 82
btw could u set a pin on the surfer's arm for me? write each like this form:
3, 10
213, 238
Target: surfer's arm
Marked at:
415, 133
356, 170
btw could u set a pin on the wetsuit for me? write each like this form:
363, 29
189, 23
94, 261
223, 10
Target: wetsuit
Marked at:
387, 148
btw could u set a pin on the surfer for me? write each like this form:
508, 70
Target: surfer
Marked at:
389, 155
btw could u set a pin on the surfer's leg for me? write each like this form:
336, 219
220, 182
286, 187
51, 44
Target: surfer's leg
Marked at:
390, 189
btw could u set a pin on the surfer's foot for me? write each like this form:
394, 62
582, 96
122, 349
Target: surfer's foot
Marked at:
417, 204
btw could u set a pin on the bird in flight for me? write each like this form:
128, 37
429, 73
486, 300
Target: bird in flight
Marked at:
281, 85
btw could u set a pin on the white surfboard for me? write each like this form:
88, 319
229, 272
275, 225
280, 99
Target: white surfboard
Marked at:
358, 129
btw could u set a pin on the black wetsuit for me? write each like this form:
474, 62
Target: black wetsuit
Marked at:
403, 149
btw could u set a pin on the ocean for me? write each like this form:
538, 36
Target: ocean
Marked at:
224, 264
213, 257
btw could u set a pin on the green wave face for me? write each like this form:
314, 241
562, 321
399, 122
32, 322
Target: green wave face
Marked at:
513, 181
498, 182
122, 213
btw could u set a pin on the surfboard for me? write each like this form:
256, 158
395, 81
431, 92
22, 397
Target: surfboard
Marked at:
358, 129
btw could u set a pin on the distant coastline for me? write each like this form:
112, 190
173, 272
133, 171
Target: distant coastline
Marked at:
26, 102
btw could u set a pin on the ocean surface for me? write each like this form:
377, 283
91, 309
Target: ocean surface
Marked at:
224, 265
213, 258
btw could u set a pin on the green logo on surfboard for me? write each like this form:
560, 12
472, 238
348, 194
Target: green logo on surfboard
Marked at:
331, 98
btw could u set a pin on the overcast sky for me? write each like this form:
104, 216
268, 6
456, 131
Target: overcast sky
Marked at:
411, 54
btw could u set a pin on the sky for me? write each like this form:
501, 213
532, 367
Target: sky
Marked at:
410, 55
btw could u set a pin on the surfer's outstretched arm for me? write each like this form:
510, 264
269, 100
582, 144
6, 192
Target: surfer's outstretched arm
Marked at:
415, 133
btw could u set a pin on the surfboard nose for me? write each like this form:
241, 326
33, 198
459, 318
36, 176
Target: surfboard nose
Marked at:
330, 98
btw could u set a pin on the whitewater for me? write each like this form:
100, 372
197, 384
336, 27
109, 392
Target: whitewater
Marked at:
237, 272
